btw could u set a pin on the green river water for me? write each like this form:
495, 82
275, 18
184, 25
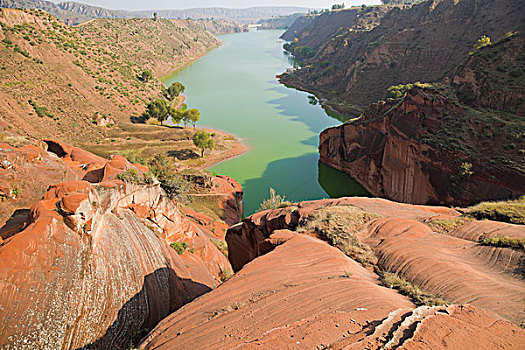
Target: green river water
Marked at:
235, 89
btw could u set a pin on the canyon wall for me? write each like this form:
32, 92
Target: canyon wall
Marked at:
441, 144
423, 42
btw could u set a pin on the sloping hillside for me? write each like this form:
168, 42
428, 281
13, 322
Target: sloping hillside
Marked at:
313, 31
297, 26
424, 42
449, 144
56, 82
161, 45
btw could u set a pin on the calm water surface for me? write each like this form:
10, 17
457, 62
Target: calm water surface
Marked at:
235, 89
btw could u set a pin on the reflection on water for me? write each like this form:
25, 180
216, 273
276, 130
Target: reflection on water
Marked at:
338, 184
235, 89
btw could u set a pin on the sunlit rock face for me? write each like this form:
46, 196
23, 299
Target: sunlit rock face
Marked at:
90, 264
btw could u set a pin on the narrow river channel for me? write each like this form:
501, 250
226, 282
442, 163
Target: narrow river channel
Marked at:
235, 89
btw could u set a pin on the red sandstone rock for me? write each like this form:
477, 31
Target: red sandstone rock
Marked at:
90, 263
28, 173
232, 201
299, 280
452, 266
304, 294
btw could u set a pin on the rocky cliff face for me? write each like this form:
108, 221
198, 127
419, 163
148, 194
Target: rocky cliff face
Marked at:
293, 290
297, 26
90, 263
432, 146
493, 77
424, 42
313, 31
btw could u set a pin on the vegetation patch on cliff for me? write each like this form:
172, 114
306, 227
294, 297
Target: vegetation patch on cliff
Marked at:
505, 242
339, 226
393, 280
507, 211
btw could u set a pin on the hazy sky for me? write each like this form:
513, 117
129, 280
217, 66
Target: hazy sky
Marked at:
183, 4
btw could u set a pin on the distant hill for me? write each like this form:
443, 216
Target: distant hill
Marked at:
70, 12
221, 26
248, 15
74, 13
280, 22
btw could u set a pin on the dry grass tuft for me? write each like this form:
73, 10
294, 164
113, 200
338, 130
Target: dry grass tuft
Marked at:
507, 211
339, 226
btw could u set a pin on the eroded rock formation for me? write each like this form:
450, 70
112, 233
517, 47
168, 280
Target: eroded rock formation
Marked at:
440, 144
294, 291
91, 265
452, 265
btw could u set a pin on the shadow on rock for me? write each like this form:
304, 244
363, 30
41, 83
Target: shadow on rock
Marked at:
184, 154
139, 315
14, 224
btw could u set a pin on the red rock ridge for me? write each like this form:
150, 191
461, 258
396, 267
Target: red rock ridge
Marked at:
399, 150
92, 263
298, 292
452, 266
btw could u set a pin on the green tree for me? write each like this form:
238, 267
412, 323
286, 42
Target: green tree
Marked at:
177, 116
175, 90
155, 16
193, 116
146, 75
158, 109
203, 140
171, 182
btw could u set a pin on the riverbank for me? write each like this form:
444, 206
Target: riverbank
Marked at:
164, 78
238, 148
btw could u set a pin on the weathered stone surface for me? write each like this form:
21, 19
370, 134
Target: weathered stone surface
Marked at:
300, 293
298, 282
453, 266
90, 263
30, 172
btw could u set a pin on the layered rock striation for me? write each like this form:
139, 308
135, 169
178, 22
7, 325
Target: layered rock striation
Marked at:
91, 266
293, 290
455, 144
